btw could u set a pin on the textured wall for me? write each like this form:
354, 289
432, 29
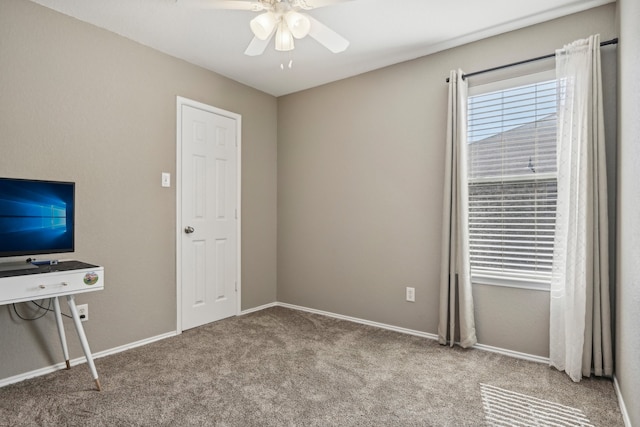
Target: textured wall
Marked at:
628, 293
360, 177
81, 104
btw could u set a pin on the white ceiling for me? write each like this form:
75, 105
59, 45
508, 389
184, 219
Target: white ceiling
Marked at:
381, 33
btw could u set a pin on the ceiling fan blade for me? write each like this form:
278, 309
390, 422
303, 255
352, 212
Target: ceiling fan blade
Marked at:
327, 37
251, 5
256, 46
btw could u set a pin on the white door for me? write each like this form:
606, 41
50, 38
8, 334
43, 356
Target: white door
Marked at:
209, 233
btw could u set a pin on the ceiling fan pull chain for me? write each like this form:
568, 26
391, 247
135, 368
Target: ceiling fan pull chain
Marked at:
289, 65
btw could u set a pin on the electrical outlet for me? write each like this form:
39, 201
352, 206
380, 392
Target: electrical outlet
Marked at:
411, 294
83, 311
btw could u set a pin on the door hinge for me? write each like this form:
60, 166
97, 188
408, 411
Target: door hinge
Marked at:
236, 286
236, 213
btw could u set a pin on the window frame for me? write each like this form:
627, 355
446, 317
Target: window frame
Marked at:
525, 280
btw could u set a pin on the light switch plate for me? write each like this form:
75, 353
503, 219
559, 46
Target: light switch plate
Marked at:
166, 179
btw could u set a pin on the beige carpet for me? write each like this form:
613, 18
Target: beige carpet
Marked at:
281, 367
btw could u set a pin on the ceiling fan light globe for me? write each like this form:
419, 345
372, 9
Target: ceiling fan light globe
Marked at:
262, 25
284, 38
298, 24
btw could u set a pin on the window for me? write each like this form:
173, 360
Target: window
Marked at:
512, 184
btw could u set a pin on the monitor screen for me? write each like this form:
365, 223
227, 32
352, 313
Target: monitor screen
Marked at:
36, 217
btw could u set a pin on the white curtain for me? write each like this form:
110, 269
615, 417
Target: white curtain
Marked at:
456, 301
580, 322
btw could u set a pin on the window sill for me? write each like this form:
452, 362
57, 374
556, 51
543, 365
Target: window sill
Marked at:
519, 283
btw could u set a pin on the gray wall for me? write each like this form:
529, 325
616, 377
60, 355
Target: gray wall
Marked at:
628, 292
82, 104
360, 178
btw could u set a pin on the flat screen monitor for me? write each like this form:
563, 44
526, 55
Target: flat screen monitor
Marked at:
36, 217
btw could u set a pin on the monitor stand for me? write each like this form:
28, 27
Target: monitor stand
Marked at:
18, 265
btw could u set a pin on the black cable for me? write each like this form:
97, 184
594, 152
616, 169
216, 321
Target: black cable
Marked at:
49, 308
15, 309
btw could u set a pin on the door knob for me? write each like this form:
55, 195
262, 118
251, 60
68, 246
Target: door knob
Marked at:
189, 229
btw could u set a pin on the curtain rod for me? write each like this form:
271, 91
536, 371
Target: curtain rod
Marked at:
526, 61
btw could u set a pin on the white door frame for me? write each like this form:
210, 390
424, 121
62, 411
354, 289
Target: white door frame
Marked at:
180, 101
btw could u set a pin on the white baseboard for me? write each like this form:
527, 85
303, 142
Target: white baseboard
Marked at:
79, 360
623, 407
130, 346
361, 321
32, 374
259, 308
512, 353
484, 347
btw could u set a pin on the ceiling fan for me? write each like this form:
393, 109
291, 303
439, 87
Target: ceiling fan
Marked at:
284, 19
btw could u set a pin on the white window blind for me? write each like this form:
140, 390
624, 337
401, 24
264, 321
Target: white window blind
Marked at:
512, 184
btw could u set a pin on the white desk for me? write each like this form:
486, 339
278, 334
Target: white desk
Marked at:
67, 278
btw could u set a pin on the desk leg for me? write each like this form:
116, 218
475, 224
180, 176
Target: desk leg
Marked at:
83, 339
63, 338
